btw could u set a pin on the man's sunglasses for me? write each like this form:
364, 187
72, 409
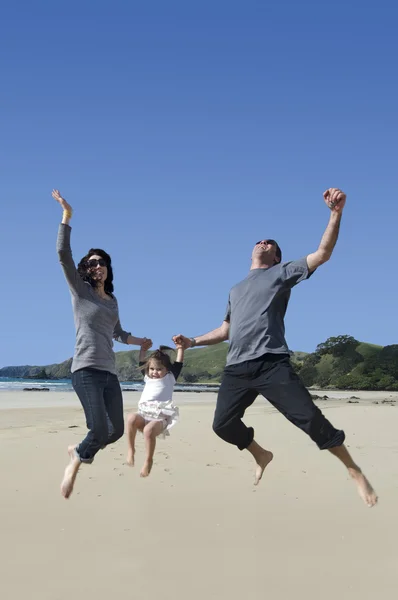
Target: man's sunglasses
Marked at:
272, 242
96, 262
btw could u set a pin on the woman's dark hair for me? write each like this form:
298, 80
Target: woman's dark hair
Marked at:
84, 272
159, 355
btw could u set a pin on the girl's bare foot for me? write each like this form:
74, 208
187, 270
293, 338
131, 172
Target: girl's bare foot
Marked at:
130, 457
70, 473
146, 469
365, 490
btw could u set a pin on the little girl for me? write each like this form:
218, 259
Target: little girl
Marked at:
156, 411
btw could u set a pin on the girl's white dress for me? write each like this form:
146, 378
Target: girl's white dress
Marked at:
156, 402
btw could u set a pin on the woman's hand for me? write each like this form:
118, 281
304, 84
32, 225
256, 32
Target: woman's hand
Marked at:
65, 206
145, 344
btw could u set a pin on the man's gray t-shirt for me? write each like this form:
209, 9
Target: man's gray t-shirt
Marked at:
256, 310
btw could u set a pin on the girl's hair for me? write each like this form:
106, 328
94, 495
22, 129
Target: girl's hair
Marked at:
84, 272
161, 356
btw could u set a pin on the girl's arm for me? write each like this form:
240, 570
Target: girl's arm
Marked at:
141, 358
75, 282
178, 364
146, 344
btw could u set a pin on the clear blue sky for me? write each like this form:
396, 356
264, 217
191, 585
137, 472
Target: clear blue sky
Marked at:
182, 132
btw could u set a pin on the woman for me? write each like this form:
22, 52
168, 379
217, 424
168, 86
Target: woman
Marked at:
93, 368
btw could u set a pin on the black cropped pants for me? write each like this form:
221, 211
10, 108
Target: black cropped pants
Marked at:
273, 377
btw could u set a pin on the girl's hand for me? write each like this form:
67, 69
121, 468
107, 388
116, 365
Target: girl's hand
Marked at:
146, 344
64, 204
181, 342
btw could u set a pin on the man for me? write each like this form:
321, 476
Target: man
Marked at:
258, 357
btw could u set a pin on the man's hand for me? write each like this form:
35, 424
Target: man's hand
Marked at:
181, 341
335, 199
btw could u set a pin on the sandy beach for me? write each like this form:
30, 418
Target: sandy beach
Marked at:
197, 528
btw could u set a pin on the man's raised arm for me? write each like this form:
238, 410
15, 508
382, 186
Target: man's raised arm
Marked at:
216, 336
335, 199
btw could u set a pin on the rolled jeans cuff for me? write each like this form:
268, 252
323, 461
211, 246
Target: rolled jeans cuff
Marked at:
86, 461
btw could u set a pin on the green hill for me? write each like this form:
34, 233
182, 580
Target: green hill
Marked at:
368, 350
340, 362
345, 363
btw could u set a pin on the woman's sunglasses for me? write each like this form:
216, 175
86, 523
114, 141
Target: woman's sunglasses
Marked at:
96, 262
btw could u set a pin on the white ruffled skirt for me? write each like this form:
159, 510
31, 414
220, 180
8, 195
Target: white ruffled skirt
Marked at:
165, 412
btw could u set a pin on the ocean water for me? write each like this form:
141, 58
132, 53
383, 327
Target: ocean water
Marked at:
65, 385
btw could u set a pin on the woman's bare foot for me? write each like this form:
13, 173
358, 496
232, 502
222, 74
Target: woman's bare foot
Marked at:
365, 490
130, 457
146, 469
70, 473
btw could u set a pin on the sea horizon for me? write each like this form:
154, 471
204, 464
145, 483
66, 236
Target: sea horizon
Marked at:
65, 385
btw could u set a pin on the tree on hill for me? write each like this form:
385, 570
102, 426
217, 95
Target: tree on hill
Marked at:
384, 366
307, 369
337, 346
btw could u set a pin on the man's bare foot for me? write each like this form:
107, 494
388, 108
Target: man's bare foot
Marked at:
70, 473
262, 458
130, 457
146, 469
262, 461
365, 490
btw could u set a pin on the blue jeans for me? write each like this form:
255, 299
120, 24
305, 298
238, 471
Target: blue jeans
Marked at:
101, 397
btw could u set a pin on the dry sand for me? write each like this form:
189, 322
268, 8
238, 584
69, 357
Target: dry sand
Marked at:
197, 528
